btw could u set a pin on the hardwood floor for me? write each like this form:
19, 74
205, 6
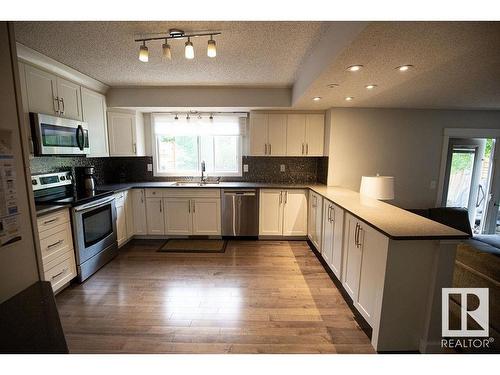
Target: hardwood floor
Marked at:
257, 297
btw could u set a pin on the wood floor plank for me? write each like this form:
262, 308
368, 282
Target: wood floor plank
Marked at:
257, 297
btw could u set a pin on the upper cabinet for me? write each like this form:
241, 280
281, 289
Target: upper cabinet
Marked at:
294, 134
94, 114
53, 95
268, 134
305, 134
126, 134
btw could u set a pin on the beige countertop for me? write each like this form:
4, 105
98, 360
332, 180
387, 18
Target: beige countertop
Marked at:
393, 221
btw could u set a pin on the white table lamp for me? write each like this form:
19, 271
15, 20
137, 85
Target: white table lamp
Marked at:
378, 187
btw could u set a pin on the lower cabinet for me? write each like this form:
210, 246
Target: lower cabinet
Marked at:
183, 212
315, 219
138, 203
154, 216
283, 212
124, 217
364, 265
56, 246
333, 223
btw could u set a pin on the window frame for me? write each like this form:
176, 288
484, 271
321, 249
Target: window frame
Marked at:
157, 173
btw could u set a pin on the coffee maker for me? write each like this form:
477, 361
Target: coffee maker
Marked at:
85, 180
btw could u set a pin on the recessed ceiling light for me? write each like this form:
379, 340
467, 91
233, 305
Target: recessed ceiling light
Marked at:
316, 98
404, 68
354, 68
370, 87
349, 98
332, 85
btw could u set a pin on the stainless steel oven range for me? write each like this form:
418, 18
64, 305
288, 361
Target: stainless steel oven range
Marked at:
93, 219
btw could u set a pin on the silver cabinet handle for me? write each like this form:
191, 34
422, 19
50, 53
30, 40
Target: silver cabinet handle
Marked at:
281, 197
333, 211
62, 102
59, 274
55, 244
161, 205
356, 235
286, 197
265, 148
194, 206
134, 147
189, 206
270, 149
302, 149
307, 148
142, 195
50, 221
56, 100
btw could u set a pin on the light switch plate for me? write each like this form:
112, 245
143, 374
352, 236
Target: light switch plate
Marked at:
150, 167
245, 167
282, 167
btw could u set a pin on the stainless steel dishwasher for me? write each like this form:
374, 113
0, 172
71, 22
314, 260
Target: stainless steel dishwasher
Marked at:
240, 212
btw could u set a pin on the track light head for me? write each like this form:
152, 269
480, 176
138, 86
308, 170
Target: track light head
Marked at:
189, 50
143, 52
211, 49
176, 117
211, 116
167, 52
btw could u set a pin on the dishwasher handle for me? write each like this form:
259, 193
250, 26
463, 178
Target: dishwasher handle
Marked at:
248, 193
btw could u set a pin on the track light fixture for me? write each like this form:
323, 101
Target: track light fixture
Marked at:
177, 34
176, 117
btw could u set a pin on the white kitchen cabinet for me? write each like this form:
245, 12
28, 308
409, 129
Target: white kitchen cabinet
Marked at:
315, 134
94, 114
178, 220
295, 212
305, 134
154, 213
283, 212
364, 266
129, 213
41, 88
270, 212
333, 222
126, 134
139, 212
52, 95
121, 218
206, 216
315, 219
70, 99
268, 134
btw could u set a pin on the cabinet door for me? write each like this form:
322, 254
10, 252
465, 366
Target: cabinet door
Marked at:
314, 223
178, 220
276, 130
41, 90
94, 114
154, 213
121, 225
295, 133
139, 212
353, 254
129, 214
311, 223
315, 134
206, 216
374, 255
258, 134
327, 240
295, 213
70, 99
337, 217
270, 212
121, 129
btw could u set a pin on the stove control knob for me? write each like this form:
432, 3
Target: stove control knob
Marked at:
34, 182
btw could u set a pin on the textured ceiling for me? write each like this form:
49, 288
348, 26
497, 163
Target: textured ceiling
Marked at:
248, 53
457, 65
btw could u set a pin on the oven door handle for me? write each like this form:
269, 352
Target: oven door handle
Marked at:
94, 204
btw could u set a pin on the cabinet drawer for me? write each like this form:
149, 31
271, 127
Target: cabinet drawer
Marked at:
154, 193
50, 221
192, 192
61, 271
57, 243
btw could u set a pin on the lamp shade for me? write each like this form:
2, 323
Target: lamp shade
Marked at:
378, 187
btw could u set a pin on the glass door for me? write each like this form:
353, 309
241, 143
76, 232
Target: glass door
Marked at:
492, 200
463, 186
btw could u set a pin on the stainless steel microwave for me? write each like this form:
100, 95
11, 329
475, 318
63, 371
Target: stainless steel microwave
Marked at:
53, 135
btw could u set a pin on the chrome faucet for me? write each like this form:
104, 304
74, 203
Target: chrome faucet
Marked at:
203, 171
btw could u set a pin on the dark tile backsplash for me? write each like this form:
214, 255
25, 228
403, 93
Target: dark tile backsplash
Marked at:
134, 169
